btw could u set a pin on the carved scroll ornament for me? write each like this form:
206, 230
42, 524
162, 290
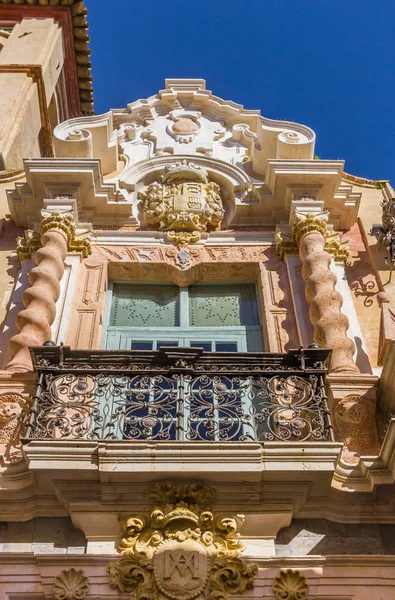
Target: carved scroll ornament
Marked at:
181, 553
184, 204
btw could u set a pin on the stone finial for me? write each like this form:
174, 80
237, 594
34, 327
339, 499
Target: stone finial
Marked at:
290, 585
70, 585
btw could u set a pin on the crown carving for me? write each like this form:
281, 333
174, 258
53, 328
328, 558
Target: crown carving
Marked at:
185, 170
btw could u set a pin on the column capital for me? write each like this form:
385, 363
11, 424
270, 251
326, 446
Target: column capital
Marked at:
64, 223
308, 223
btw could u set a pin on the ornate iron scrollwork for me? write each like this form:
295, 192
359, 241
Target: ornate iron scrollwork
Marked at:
189, 399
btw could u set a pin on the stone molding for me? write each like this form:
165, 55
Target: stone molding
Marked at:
335, 577
313, 482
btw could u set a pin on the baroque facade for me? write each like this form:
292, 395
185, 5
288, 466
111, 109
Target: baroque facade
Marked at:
197, 356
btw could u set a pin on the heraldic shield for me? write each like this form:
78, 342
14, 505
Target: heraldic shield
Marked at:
181, 569
181, 551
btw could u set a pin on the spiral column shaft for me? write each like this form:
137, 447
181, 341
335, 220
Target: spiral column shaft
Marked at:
34, 322
330, 324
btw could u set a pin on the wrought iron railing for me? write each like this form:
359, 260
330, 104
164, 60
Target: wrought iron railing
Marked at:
180, 394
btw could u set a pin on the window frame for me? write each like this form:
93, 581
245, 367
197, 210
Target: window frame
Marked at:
184, 330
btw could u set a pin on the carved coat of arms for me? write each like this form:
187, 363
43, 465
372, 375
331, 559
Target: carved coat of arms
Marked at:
181, 552
184, 204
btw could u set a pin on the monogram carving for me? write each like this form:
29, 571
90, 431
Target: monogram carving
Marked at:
184, 204
181, 551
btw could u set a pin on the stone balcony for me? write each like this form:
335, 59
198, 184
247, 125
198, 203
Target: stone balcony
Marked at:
105, 424
131, 415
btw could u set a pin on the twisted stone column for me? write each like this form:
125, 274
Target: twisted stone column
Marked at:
330, 324
34, 322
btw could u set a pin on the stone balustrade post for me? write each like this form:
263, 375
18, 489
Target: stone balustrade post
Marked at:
35, 320
330, 324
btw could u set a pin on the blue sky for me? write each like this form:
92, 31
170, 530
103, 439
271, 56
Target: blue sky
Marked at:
328, 64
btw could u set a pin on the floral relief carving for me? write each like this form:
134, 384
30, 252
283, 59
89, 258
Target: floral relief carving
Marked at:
355, 426
13, 421
181, 551
290, 585
70, 585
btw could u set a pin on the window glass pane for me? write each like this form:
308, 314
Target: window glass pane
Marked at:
141, 346
222, 305
144, 306
205, 345
226, 346
167, 344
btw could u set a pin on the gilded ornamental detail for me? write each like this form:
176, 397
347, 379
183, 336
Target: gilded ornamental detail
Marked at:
184, 204
181, 551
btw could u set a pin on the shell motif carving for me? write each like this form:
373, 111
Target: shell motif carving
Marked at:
70, 585
290, 585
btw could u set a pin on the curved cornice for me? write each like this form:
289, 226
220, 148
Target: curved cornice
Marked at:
136, 172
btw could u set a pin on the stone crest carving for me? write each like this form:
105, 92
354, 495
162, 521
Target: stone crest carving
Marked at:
290, 585
184, 205
181, 551
70, 585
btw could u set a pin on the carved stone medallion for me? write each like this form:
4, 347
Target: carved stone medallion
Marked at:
181, 569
